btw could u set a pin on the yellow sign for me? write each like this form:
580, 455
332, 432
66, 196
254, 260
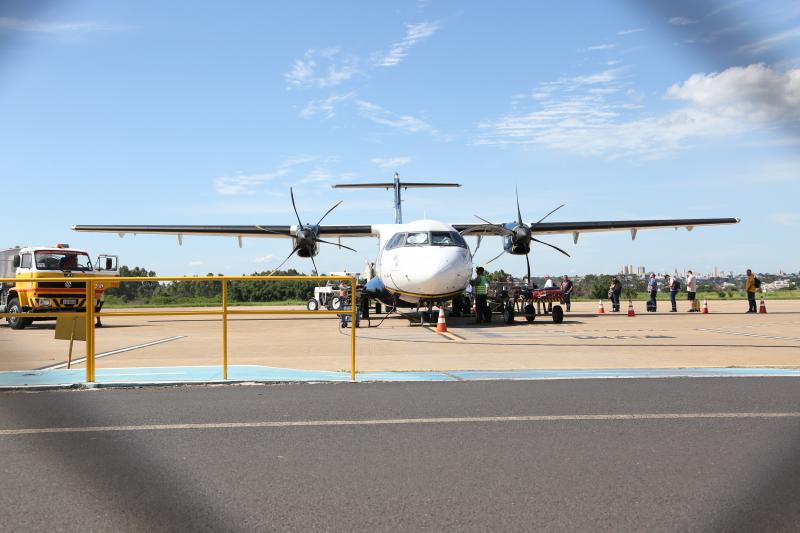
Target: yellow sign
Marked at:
71, 328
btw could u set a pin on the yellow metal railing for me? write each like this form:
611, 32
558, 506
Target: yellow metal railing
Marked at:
223, 311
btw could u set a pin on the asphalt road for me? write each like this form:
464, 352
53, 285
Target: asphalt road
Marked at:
349, 468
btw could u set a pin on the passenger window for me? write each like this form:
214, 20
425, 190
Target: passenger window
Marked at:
25, 261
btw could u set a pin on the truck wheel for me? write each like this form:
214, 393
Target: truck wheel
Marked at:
558, 314
508, 314
530, 313
17, 322
312, 305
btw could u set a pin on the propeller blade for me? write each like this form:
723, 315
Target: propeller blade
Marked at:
547, 215
337, 244
316, 272
551, 246
527, 260
493, 258
296, 248
478, 245
291, 193
500, 227
269, 230
328, 211
519, 213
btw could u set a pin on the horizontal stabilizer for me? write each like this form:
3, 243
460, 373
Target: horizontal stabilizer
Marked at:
390, 185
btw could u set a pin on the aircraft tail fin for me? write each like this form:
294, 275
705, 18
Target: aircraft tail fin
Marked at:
397, 186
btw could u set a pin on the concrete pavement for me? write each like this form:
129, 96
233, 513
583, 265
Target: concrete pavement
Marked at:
725, 338
705, 455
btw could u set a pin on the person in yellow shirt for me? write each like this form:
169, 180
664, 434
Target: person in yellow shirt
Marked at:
750, 287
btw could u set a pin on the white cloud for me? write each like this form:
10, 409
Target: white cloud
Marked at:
306, 74
766, 43
326, 106
37, 26
592, 115
415, 33
390, 163
755, 93
379, 115
244, 184
604, 46
785, 219
681, 21
196, 263
264, 258
628, 32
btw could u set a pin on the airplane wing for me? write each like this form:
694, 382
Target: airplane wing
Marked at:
576, 228
265, 231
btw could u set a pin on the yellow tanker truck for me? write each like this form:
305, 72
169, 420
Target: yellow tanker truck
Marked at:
42, 283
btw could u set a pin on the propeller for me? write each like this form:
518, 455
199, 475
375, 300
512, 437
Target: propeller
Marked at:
306, 237
521, 236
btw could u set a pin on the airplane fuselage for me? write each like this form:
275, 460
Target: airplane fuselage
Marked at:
421, 262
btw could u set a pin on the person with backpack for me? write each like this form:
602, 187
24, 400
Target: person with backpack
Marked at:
674, 286
614, 292
751, 285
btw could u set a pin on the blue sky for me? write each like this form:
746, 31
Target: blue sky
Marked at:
201, 113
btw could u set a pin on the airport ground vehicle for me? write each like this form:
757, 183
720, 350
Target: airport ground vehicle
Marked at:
43, 285
510, 298
328, 295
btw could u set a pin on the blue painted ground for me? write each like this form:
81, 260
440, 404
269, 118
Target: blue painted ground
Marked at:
239, 373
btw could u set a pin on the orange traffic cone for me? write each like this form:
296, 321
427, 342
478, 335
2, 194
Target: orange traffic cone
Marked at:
631, 312
441, 325
704, 311
763, 307
600, 309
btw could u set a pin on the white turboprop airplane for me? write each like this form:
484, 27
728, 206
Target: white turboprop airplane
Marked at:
419, 263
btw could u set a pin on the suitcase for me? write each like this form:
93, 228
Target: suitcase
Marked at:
651, 307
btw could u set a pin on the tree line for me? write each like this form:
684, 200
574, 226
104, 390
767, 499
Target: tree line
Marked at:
207, 289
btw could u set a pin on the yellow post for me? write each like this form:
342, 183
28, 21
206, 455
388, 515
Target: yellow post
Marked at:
224, 329
353, 311
89, 312
71, 340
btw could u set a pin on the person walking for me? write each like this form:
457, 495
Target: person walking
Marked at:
652, 288
614, 292
566, 289
480, 287
673, 285
691, 291
751, 286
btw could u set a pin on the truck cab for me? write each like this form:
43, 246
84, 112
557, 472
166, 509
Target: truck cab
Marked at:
42, 283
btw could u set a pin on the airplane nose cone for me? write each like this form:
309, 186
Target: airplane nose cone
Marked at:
442, 271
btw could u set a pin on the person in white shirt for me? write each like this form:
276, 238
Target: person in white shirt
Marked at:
691, 290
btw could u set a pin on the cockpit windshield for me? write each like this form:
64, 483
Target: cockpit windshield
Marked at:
418, 238
52, 260
426, 238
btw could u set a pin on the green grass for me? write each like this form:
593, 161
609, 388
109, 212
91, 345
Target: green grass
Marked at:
189, 302
736, 295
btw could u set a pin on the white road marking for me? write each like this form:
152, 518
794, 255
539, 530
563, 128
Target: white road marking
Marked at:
114, 352
757, 335
402, 421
